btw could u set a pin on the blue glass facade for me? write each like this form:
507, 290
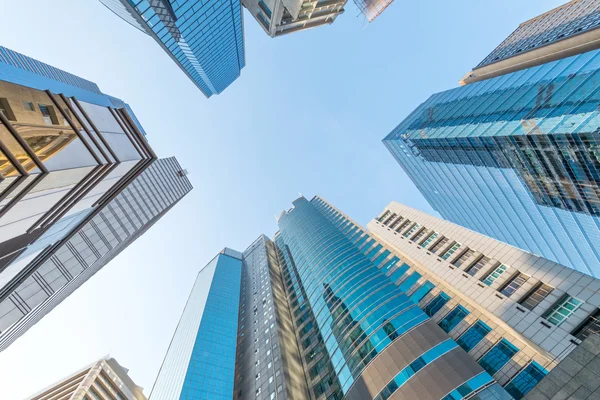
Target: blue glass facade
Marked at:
204, 38
348, 284
212, 363
200, 362
515, 157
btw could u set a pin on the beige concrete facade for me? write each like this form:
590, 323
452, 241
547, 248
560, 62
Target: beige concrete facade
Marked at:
105, 379
537, 338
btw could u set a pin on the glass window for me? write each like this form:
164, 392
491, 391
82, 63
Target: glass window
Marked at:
473, 336
495, 274
412, 230
498, 356
403, 226
396, 223
590, 326
451, 251
410, 281
442, 242
429, 239
401, 270
453, 318
463, 257
422, 291
28, 106
48, 114
388, 220
436, 304
562, 310
477, 265
514, 284
419, 235
536, 295
526, 380
384, 216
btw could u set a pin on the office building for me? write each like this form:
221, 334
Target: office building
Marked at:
204, 38
78, 183
278, 17
329, 310
103, 380
516, 156
559, 33
498, 302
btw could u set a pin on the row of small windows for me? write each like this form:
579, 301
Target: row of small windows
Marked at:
556, 315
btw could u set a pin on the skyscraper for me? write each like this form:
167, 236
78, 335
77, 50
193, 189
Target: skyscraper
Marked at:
204, 38
279, 17
516, 154
328, 310
78, 183
105, 379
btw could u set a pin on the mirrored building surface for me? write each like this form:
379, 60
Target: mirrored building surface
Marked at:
204, 38
517, 156
319, 312
68, 154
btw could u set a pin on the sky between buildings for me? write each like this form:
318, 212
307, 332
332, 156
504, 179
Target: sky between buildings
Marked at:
306, 116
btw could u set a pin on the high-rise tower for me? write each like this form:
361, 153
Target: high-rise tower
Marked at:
78, 183
515, 155
204, 38
328, 310
104, 380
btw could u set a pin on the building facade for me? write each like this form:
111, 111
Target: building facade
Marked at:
559, 33
103, 380
321, 312
204, 38
278, 17
69, 154
516, 156
498, 302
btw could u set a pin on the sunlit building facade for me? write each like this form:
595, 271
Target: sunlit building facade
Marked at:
68, 155
105, 379
318, 313
204, 38
279, 17
517, 156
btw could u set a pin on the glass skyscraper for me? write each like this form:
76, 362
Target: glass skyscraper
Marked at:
204, 38
319, 312
517, 156
78, 183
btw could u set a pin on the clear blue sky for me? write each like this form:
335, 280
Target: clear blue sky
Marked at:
307, 115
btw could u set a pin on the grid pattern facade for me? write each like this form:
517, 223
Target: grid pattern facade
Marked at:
93, 245
103, 380
23, 62
210, 372
200, 361
516, 339
515, 157
371, 9
261, 369
280, 17
573, 18
204, 38
356, 311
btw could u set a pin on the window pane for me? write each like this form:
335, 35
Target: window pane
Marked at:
453, 318
473, 336
498, 356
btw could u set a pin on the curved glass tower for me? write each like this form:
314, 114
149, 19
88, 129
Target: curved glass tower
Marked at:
373, 341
